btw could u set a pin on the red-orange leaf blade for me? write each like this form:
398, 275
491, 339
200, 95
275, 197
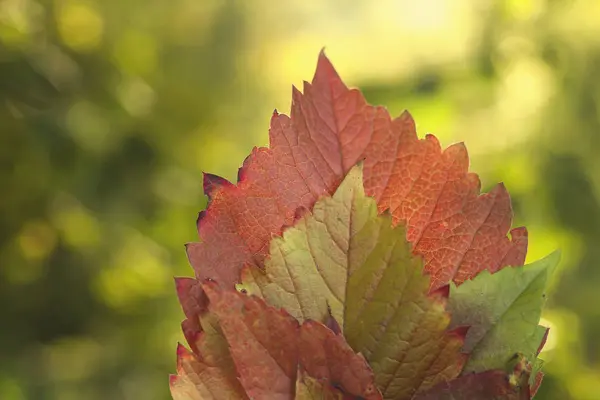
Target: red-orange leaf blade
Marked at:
331, 128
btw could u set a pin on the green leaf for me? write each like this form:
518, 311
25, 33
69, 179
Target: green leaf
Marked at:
345, 257
503, 310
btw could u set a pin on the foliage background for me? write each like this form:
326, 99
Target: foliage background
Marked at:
111, 109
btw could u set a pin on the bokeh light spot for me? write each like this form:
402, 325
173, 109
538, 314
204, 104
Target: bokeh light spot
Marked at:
89, 127
136, 53
80, 25
79, 228
37, 240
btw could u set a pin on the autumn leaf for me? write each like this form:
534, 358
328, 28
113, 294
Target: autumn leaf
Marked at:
458, 232
257, 351
209, 371
489, 385
503, 310
509, 383
368, 266
263, 343
193, 302
345, 258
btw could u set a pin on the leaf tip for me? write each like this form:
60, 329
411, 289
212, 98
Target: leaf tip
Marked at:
460, 332
555, 256
211, 183
241, 174
518, 232
211, 288
183, 355
181, 285
499, 189
331, 322
173, 380
190, 249
326, 73
443, 291
199, 219
550, 262
406, 115
323, 60
356, 172
299, 214
192, 331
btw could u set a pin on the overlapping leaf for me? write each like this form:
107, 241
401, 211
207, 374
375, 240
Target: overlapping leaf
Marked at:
345, 259
331, 128
351, 259
208, 372
503, 311
488, 385
510, 383
193, 302
249, 350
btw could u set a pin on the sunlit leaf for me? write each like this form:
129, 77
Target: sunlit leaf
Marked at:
249, 350
331, 128
345, 258
503, 310
356, 230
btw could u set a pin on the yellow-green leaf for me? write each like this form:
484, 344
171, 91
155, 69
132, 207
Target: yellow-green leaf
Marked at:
345, 257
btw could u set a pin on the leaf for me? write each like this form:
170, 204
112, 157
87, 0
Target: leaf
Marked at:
345, 258
489, 385
362, 258
263, 343
510, 383
503, 310
209, 373
331, 128
328, 358
264, 347
193, 302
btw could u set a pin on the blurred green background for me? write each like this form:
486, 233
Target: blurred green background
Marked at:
111, 109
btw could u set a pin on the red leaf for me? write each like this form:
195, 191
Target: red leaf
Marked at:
212, 183
207, 373
327, 357
263, 342
457, 231
268, 346
193, 302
